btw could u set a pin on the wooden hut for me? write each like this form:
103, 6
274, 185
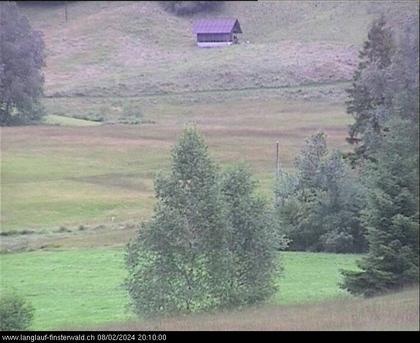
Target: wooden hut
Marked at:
216, 32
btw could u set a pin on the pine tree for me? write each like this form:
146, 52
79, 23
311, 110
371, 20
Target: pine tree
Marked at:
391, 177
180, 261
367, 102
391, 216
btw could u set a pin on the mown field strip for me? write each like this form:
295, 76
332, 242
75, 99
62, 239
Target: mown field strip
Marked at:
83, 287
226, 91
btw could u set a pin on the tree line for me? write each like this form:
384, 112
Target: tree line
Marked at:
366, 200
188, 8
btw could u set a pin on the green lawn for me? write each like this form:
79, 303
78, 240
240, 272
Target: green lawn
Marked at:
67, 121
312, 277
68, 288
83, 287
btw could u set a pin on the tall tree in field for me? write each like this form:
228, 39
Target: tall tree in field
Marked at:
21, 62
391, 216
211, 242
392, 212
403, 73
180, 261
367, 102
253, 243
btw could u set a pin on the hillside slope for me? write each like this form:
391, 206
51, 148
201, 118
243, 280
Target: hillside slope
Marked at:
136, 48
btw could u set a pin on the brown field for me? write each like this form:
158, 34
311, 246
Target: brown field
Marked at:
399, 311
103, 175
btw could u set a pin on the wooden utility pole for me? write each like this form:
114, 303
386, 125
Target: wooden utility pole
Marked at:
277, 160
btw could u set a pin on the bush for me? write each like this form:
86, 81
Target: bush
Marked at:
16, 313
91, 116
190, 7
131, 115
337, 242
63, 229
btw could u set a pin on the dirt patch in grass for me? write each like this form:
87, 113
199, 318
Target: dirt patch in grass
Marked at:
92, 236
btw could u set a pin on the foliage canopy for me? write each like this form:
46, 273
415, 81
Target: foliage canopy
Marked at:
16, 313
21, 62
200, 251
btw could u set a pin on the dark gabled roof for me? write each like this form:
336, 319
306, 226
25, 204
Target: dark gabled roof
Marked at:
217, 26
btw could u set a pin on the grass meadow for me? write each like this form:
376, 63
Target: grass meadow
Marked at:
394, 312
131, 49
73, 197
75, 187
82, 287
92, 175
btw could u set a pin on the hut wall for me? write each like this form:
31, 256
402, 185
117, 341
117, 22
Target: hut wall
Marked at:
214, 37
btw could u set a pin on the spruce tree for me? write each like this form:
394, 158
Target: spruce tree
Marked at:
367, 102
391, 177
391, 216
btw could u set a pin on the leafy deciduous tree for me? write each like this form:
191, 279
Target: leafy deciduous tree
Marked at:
210, 242
253, 242
190, 7
21, 60
180, 260
319, 207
